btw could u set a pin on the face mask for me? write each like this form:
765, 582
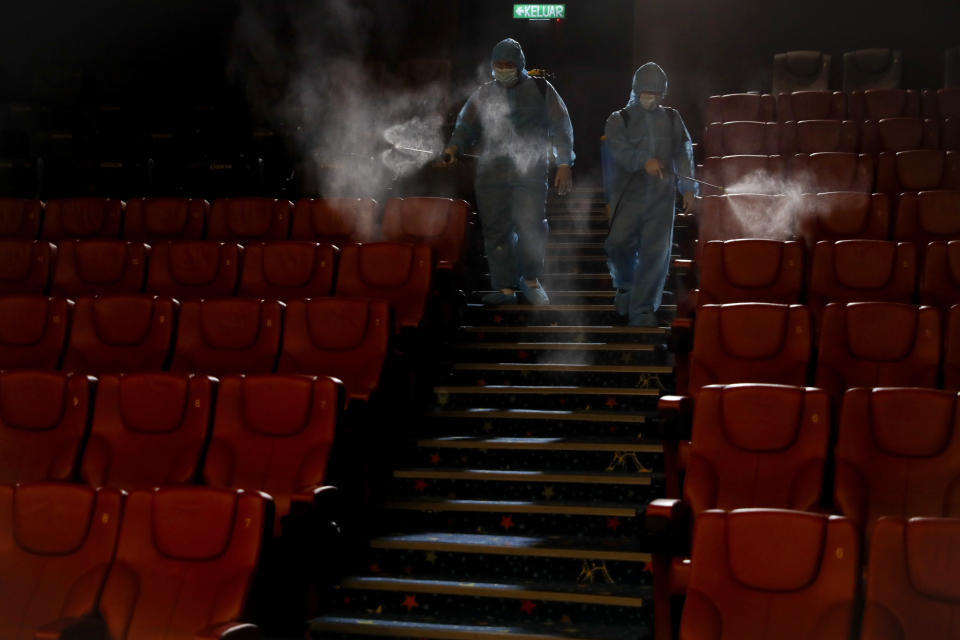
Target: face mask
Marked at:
648, 102
506, 77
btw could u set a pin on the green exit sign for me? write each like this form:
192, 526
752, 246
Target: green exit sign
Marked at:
539, 11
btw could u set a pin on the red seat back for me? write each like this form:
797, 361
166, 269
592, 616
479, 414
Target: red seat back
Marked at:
82, 218
872, 344
799, 569
185, 561
811, 105
912, 590
287, 269
26, 265
740, 137
438, 222
744, 174
816, 136
33, 331
194, 269
273, 433
740, 106
230, 335
743, 215
249, 219
399, 273
900, 134
951, 349
148, 430
43, 420
940, 278
750, 342
897, 454
917, 170
832, 171
337, 220
115, 334
757, 445
20, 218
875, 104
928, 216
751, 270
89, 267
164, 219
56, 545
841, 215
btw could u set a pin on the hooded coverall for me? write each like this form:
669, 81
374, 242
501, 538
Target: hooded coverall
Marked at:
521, 129
641, 207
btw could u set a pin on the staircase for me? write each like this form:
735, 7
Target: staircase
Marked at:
515, 510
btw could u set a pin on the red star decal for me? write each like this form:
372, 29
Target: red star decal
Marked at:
506, 522
529, 434
562, 402
522, 355
613, 523
410, 602
435, 458
497, 319
611, 402
420, 485
481, 382
527, 606
375, 568
613, 428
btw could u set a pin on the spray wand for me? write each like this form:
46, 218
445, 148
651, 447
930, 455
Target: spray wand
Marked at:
444, 157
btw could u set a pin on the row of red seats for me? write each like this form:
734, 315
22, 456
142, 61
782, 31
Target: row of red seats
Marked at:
742, 137
438, 222
283, 269
347, 338
757, 270
917, 217
871, 104
270, 433
893, 172
858, 344
176, 562
793, 575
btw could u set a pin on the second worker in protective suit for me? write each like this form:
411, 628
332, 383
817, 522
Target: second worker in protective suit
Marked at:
523, 126
649, 148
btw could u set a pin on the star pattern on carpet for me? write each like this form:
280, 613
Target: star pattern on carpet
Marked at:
506, 522
375, 568
613, 523
410, 602
527, 606
420, 484
435, 458
611, 402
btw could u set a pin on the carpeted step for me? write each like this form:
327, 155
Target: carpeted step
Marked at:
627, 353
574, 398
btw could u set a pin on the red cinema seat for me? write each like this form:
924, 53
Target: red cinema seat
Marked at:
344, 338
917, 170
744, 174
911, 585
861, 271
811, 105
742, 215
43, 420
232, 335
818, 136
287, 269
399, 273
897, 454
750, 342
148, 430
899, 134
337, 220
274, 433
26, 266
740, 106
89, 267
194, 269
797, 70
438, 222
876, 104
832, 171
871, 344
740, 137
249, 219
33, 331
928, 216
20, 218
946, 107
165, 219
842, 215
951, 350
940, 278
56, 545
751, 270
116, 334
757, 445
82, 218
799, 569
184, 564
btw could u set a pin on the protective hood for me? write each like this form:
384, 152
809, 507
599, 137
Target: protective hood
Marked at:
509, 49
648, 78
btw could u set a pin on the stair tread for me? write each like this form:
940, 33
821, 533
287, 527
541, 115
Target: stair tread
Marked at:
542, 444
429, 628
555, 591
527, 475
498, 389
554, 507
541, 546
565, 346
546, 366
539, 414
562, 329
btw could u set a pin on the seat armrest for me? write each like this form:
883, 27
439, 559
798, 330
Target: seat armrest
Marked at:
675, 416
72, 629
229, 631
667, 523
681, 335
